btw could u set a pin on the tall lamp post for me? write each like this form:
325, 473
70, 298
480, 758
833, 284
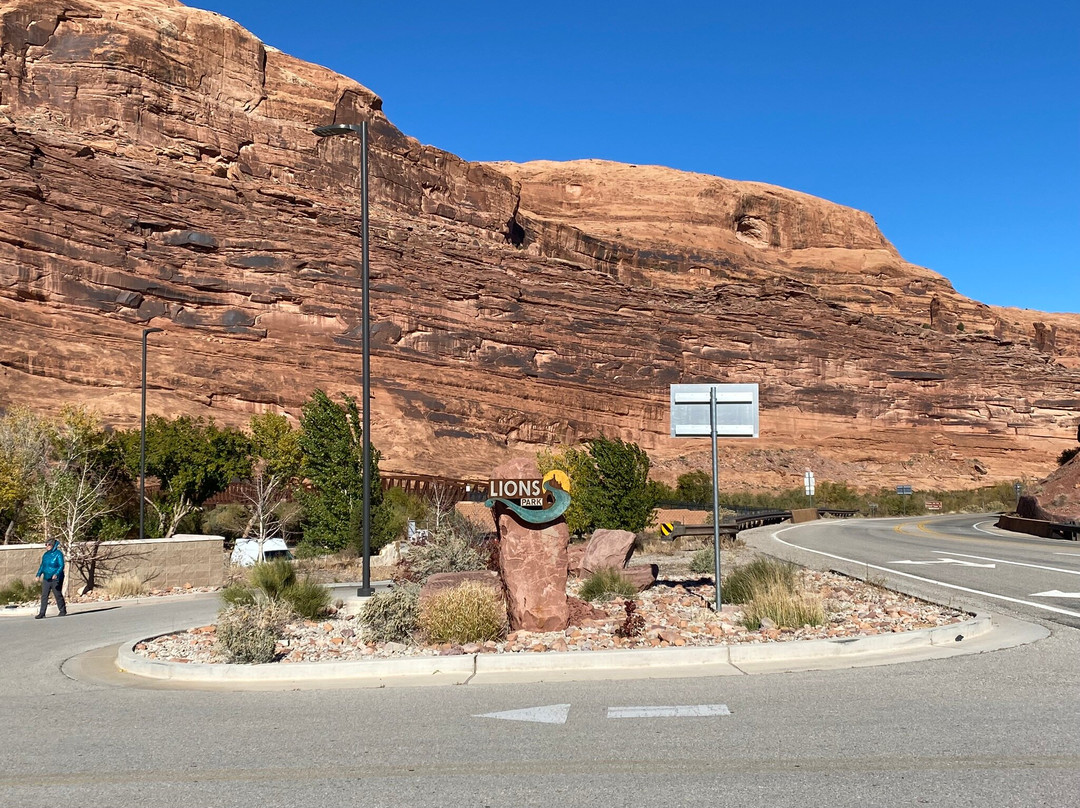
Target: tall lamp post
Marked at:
142, 437
333, 130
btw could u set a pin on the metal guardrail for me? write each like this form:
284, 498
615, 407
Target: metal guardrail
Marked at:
756, 517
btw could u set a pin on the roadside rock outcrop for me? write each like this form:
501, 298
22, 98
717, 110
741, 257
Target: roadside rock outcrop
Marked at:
158, 168
532, 561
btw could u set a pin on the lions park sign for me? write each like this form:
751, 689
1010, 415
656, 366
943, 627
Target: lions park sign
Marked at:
535, 501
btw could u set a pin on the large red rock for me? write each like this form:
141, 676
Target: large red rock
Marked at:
532, 562
157, 167
607, 548
642, 575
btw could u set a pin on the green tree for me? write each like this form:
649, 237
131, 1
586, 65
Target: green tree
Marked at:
24, 450
331, 438
609, 485
575, 463
695, 487
193, 458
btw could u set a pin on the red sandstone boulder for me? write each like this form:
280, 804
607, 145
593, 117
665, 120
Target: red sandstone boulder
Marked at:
574, 555
608, 548
643, 576
532, 562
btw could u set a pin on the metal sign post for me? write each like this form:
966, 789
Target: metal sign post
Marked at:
716, 410
808, 485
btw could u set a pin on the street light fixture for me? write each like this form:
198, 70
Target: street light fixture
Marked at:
142, 437
332, 130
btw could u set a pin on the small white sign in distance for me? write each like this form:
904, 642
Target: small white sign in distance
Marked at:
1054, 593
550, 714
678, 711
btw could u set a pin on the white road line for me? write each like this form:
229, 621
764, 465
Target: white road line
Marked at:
987, 532
1014, 563
1054, 593
1042, 606
947, 561
1068, 554
550, 714
679, 711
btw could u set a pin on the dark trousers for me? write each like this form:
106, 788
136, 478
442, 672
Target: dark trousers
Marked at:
55, 586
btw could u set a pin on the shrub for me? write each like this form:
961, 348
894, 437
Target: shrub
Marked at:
785, 607
1067, 455
633, 624
703, 562
471, 612
307, 598
744, 582
249, 634
607, 584
392, 616
453, 548
18, 591
272, 578
236, 594
125, 586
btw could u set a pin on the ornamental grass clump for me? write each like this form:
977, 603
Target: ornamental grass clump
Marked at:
276, 582
744, 582
392, 616
249, 634
607, 584
18, 591
471, 612
125, 586
785, 607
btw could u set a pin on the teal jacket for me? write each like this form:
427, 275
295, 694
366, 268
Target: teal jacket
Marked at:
52, 563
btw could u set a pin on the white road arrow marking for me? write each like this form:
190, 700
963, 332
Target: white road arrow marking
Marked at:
948, 561
1055, 593
680, 711
551, 714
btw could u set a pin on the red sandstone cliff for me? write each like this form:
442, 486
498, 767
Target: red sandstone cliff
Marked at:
157, 167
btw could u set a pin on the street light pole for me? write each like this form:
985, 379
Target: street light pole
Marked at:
333, 130
142, 437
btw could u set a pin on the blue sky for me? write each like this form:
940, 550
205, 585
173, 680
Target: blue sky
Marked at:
955, 124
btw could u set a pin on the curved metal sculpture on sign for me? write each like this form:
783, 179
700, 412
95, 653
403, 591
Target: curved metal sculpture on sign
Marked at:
533, 516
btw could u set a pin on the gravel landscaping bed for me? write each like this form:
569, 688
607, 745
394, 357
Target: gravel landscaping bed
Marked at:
676, 612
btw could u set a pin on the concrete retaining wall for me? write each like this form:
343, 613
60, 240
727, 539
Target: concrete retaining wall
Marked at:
162, 563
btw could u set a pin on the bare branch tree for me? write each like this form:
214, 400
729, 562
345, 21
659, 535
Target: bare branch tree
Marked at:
268, 491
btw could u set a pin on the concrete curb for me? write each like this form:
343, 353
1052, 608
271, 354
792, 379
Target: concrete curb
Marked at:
566, 665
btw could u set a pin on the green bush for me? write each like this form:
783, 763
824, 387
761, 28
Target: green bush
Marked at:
453, 548
703, 562
471, 612
743, 583
307, 598
236, 594
785, 607
249, 634
392, 616
276, 582
272, 578
226, 520
18, 591
607, 584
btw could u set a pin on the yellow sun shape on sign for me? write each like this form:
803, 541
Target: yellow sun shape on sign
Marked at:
560, 478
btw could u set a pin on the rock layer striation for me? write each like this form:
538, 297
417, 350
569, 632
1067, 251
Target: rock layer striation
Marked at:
158, 168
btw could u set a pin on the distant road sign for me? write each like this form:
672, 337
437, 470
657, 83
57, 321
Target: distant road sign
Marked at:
808, 483
903, 490
933, 506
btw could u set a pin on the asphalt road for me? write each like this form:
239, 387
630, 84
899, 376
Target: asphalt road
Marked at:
992, 729
950, 558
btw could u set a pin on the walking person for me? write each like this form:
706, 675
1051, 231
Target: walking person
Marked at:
51, 572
